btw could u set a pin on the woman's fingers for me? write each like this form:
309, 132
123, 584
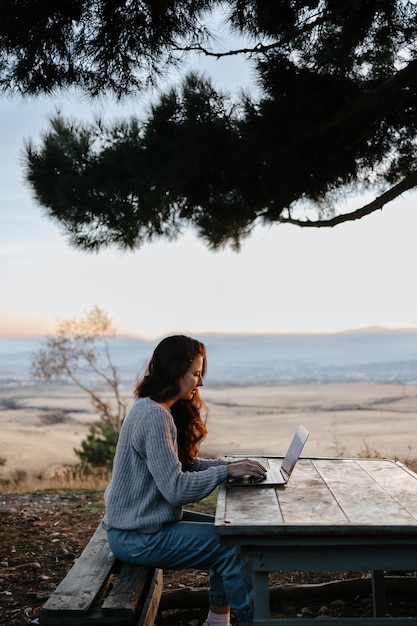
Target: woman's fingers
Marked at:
245, 467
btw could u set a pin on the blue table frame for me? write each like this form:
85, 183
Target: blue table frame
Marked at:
333, 515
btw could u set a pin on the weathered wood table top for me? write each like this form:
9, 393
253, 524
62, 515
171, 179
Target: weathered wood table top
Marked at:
333, 515
336, 496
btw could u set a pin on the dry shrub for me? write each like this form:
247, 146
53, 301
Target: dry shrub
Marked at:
64, 477
17, 481
54, 417
409, 461
74, 477
411, 464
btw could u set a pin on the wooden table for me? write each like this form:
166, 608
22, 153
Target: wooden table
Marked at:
333, 515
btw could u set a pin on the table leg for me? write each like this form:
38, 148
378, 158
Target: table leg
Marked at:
261, 595
378, 593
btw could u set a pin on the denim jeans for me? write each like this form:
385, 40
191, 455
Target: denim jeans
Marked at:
192, 543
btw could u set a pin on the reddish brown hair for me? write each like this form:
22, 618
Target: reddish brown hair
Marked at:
170, 361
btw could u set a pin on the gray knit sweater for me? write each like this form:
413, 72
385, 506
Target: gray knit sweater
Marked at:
148, 486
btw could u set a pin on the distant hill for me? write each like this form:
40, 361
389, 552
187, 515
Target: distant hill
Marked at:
353, 355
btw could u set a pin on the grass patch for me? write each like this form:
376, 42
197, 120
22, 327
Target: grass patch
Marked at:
207, 505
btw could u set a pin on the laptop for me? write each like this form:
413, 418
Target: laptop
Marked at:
278, 475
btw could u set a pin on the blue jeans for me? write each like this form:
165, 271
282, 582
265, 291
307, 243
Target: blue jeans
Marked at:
192, 544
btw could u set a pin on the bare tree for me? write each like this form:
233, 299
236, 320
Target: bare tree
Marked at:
79, 352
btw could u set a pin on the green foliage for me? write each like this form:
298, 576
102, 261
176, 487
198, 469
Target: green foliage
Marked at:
98, 45
3, 461
98, 448
334, 113
207, 505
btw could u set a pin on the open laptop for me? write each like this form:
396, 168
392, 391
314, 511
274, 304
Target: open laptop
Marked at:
278, 475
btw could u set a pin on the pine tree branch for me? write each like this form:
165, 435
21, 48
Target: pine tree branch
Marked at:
319, 20
403, 78
408, 183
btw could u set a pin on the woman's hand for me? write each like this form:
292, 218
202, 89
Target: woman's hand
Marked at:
245, 467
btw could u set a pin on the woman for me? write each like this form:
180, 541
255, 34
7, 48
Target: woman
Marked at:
156, 471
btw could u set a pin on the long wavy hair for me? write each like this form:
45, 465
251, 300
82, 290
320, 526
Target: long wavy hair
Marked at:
171, 359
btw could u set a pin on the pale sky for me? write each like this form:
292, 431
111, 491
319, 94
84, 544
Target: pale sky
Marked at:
285, 279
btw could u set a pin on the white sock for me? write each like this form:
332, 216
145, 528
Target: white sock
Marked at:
218, 619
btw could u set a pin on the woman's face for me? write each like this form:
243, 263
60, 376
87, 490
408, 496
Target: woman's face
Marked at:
191, 380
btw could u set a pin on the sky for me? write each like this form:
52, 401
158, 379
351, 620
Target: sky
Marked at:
285, 278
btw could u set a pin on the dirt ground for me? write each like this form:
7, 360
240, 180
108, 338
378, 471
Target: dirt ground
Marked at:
41, 534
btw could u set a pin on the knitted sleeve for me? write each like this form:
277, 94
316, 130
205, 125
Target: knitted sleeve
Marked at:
155, 441
148, 486
202, 464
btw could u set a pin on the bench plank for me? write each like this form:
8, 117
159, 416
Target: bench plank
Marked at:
129, 589
100, 589
84, 581
151, 605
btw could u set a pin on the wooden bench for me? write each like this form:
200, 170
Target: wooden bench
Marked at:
100, 589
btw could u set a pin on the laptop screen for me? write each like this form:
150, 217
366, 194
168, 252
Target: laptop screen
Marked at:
294, 451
